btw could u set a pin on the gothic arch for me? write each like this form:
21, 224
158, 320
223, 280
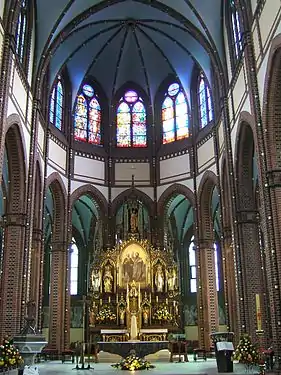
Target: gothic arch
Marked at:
95, 193
56, 185
17, 165
208, 183
244, 166
271, 106
133, 193
171, 191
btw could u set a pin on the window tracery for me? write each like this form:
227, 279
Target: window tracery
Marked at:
87, 116
21, 31
131, 129
174, 115
56, 105
204, 102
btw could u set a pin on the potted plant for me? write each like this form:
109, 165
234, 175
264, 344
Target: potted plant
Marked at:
10, 358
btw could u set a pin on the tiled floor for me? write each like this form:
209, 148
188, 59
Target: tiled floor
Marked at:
190, 368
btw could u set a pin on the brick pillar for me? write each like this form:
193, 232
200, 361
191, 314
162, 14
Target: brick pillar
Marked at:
57, 294
36, 272
252, 269
208, 317
230, 286
11, 281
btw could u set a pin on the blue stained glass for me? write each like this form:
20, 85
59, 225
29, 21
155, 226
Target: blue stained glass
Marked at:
173, 89
131, 128
205, 102
88, 91
52, 107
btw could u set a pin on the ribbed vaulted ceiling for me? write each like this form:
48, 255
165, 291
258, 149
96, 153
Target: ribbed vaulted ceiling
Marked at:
129, 40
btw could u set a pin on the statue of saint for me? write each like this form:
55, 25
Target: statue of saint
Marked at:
172, 280
107, 279
122, 316
134, 220
96, 279
92, 314
145, 316
159, 279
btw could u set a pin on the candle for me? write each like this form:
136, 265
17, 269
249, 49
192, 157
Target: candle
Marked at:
166, 301
174, 303
100, 301
258, 312
109, 299
156, 298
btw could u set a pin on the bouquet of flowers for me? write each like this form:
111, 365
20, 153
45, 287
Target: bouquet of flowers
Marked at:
9, 356
133, 363
105, 315
162, 314
246, 352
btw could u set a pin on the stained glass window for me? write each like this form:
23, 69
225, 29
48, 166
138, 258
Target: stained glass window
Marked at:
56, 105
216, 256
204, 102
192, 267
236, 29
21, 31
74, 258
87, 117
131, 121
174, 115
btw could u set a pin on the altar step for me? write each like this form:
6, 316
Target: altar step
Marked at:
161, 356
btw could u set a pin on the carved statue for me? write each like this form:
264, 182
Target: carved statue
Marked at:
107, 279
122, 316
92, 314
96, 280
134, 220
31, 310
159, 279
145, 316
172, 279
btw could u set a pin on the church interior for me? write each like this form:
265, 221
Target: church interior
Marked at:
141, 172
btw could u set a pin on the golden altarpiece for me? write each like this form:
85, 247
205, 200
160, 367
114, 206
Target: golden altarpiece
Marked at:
133, 292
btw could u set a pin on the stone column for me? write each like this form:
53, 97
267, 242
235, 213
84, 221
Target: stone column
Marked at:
12, 275
36, 273
230, 285
252, 269
57, 295
208, 321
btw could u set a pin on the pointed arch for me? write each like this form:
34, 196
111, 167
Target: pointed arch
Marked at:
98, 197
172, 190
131, 120
207, 184
132, 193
205, 102
88, 116
174, 114
57, 104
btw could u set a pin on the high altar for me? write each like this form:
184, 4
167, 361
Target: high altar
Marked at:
133, 293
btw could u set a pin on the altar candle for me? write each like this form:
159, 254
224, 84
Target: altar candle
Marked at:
174, 303
109, 299
166, 301
100, 301
258, 312
156, 298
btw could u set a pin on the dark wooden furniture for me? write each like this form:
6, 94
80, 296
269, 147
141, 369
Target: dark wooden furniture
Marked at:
200, 353
67, 355
49, 354
179, 348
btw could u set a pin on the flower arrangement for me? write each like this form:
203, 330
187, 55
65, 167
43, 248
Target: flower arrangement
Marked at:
246, 352
9, 356
105, 315
133, 363
162, 314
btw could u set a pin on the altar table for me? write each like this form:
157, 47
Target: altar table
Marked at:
140, 348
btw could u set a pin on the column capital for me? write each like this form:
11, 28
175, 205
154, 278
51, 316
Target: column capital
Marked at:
247, 216
14, 219
61, 246
205, 243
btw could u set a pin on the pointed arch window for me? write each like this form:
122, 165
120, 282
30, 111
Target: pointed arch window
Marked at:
236, 29
74, 257
216, 256
21, 31
174, 115
204, 102
192, 267
87, 117
56, 105
131, 130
